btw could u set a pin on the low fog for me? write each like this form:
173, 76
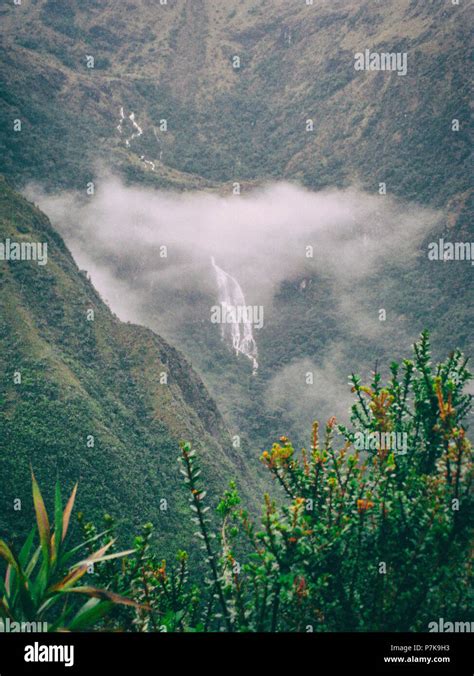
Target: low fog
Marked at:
260, 237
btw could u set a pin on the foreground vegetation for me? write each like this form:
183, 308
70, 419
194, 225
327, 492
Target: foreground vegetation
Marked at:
373, 540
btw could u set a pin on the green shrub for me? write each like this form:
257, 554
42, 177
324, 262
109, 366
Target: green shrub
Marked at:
370, 529
374, 540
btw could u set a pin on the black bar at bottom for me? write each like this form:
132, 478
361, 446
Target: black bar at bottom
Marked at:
91, 653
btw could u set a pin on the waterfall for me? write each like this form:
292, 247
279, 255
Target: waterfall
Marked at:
137, 131
236, 326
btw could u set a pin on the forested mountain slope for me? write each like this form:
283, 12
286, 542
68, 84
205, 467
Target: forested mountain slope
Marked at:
88, 398
174, 62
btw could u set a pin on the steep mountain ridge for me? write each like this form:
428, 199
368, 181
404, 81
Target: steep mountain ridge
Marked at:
88, 398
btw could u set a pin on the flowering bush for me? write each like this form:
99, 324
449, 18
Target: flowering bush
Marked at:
356, 540
373, 540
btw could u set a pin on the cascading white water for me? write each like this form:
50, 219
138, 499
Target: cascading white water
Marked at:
136, 133
138, 130
236, 325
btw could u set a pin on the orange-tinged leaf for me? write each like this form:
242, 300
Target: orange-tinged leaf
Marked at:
41, 517
7, 554
106, 595
68, 510
8, 579
70, 578
115, 555
80, 569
